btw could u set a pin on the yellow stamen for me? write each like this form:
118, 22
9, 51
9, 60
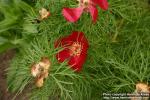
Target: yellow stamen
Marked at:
75, 49
83, 3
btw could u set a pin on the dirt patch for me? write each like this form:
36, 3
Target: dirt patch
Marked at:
4, 63
5, 59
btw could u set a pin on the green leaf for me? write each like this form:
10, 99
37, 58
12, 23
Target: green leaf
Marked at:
3, 40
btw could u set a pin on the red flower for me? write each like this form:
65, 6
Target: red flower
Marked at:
73, 14
75, 48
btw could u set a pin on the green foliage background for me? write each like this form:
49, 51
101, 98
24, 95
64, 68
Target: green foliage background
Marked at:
118, 57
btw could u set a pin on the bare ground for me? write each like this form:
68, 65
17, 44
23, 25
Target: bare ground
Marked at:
5, 59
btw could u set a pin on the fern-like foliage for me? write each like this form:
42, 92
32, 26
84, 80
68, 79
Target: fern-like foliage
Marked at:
118, 56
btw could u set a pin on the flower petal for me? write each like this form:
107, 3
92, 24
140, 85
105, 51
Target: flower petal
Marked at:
77, 62
72, 14
44, 13
78, 37
75, 36
94, 13
63, 55
65, 41
103, 4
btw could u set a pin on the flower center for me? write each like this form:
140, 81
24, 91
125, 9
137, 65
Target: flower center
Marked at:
84, 3
75, 49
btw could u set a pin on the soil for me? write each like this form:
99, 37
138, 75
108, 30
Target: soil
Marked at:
5, 59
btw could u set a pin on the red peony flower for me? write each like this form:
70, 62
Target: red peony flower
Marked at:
75, 50
73, 14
